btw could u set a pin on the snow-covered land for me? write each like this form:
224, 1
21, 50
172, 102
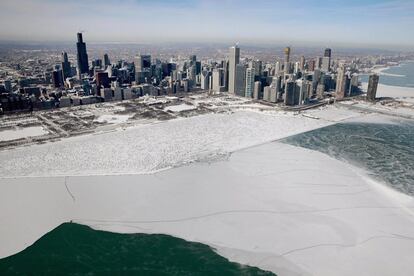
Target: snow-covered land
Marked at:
149, 148
275, 206
113, 119
12, 134
181, 107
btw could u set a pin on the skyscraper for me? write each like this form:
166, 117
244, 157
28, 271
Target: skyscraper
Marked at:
328, 53
218, 79
142, 68
225, 66
107, 62
66, 69
240, 80
193, 59
57, 78
257, 66
83, 65
372, 87
205, 80
302, 63
250, 73
234, 59
287, 54
340, 83
257, 90
289, 96
287, 60
326, 60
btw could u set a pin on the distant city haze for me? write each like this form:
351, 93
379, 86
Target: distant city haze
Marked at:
361, 23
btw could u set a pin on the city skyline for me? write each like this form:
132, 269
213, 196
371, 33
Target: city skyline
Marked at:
365, 23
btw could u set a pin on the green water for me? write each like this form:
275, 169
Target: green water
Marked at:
73, 249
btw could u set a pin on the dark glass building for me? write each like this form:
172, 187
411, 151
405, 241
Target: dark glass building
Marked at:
83, 66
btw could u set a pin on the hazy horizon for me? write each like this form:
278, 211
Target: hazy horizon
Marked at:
365, 24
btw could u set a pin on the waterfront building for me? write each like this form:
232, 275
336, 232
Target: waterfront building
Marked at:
289, 96
341, 83
372, 87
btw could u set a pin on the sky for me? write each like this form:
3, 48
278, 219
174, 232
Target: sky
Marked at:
376, 23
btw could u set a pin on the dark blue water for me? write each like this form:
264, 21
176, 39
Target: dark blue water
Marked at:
406, 78
384, 150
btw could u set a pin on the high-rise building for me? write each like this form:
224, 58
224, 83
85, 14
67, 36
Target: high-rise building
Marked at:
287, 54
311, 65
289, 96
142, 68
142, 62
372, 87
192, 73
102, 80
205, 80
225, 66
250, 74
341, 83
257, 90
193, 59
326, 60
326, 64
107, 62
234, 59
218, 79
257, 66
318, 63
301, 92
302, 63
353, 88
266, 93
277, 67
66, 68
57, 78
274, 89
82, 55
287, 65
240, 80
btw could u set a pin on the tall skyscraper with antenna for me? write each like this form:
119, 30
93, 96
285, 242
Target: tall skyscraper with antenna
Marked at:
83, 64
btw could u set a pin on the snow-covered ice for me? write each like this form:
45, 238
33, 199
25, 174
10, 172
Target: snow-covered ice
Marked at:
19, 133
153, 147
267, 204
275, 206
